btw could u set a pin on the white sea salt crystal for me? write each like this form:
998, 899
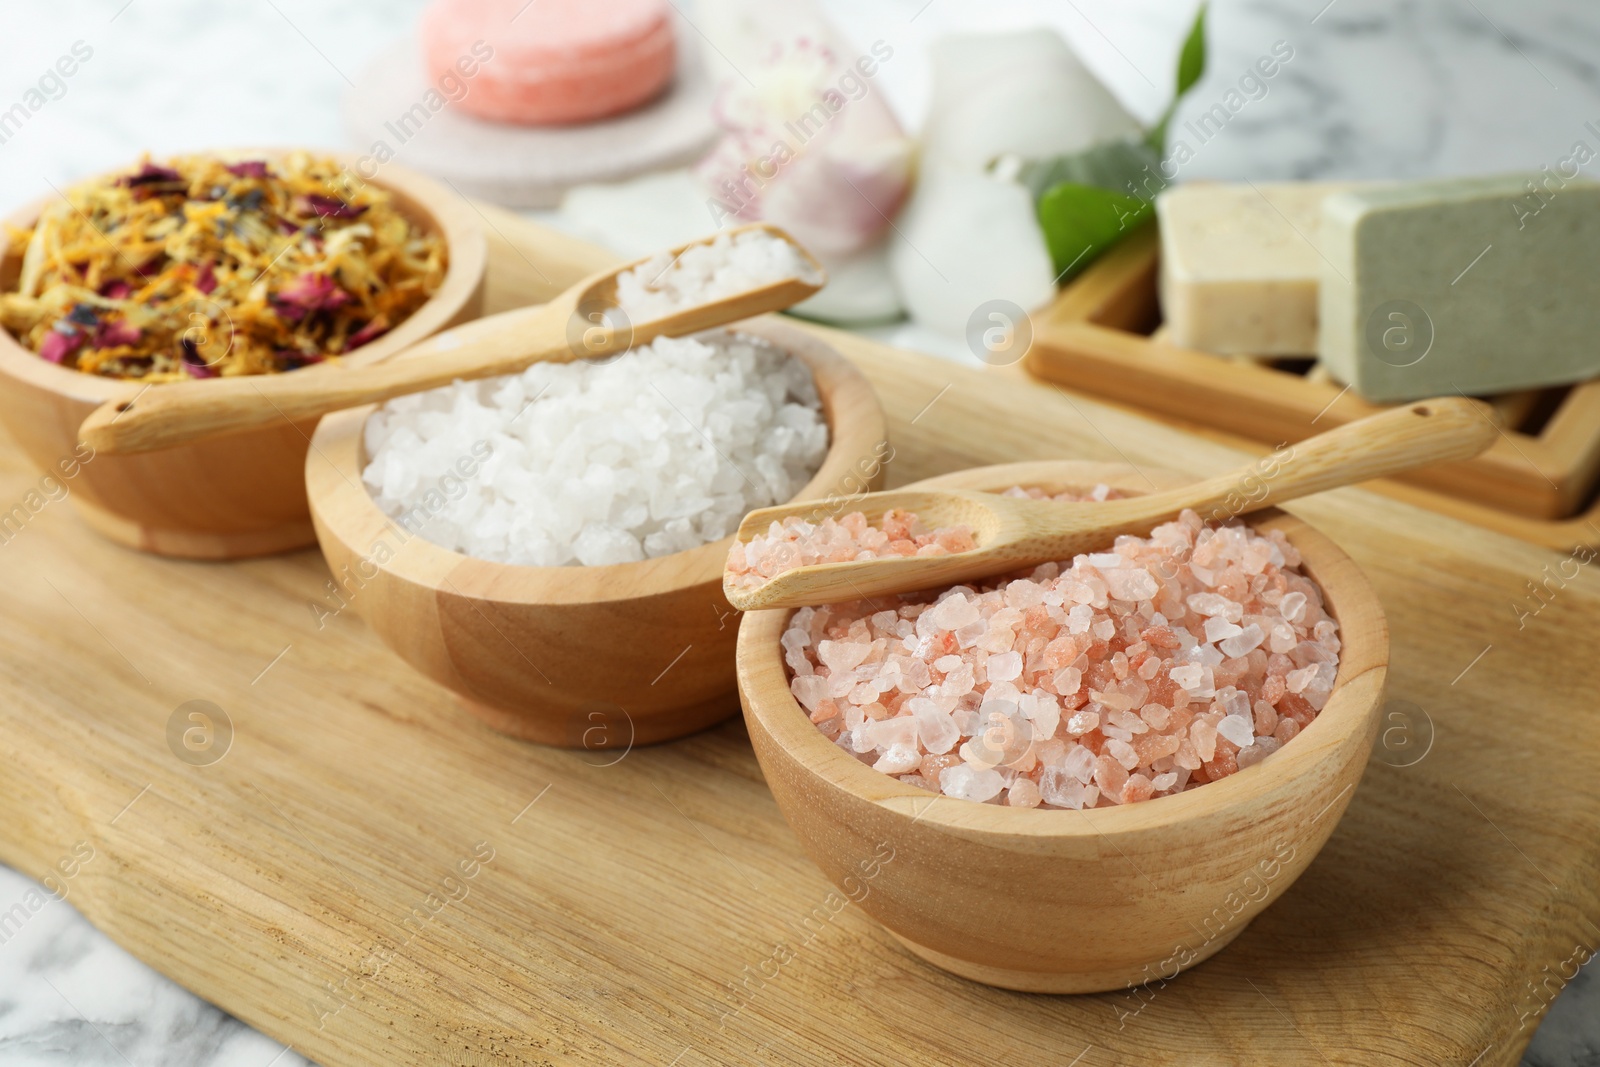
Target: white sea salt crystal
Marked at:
1238, 729
1217, 627
809, 690
1249, 757
953, 612
1214, 604
1130, 583
969, 783
1079, 763
1281, 637
656, 451
1123, 753
1046, 716
936, 728
899, 759
842, 655
1005, 667
1293, 606
1239, 644
1082, 721
969, 635
723, 267
1188, 676
1065, 791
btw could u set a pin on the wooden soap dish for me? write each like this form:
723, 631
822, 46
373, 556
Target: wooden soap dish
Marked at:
1103, 336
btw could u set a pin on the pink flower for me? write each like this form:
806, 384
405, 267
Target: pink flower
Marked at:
811, 145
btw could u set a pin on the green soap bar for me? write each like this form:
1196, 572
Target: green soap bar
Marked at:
1464, 285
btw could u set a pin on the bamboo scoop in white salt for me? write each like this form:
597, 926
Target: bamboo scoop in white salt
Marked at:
745, 271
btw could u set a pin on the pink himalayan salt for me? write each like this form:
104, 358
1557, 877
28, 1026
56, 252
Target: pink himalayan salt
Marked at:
1048, 690
797, 543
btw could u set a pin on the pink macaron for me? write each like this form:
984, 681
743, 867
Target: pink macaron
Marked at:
551, 62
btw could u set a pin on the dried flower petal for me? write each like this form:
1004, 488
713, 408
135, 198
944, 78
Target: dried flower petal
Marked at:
150, 174
311, 292
370, 332
58, 346
114, 334
335, 262
327, 207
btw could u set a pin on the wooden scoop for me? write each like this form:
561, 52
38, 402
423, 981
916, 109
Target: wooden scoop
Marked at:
1015, 533
581, 323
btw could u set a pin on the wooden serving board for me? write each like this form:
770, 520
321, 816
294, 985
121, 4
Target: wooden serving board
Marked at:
373, 877
1102, 336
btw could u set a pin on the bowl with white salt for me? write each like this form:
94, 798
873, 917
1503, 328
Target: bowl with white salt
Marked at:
549, 545
1085, 777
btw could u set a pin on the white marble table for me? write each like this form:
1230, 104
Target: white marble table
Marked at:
1375, 89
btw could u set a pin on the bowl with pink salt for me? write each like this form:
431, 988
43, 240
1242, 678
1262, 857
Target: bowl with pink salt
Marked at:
1088, 776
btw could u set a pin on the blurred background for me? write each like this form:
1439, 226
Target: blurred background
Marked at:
1374, 90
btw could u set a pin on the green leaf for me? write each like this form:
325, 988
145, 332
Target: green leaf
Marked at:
1191, 68
1081, 221
1192, 59
1089, 200
1112, 166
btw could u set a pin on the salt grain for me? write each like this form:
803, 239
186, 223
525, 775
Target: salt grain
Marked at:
716, 269
657, 451
1049, 689
798, 543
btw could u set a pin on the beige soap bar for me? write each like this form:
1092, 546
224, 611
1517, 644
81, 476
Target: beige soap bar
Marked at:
1240, 265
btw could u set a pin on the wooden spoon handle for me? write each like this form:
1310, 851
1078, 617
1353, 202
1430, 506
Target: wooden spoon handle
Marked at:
186, 411
1402, 439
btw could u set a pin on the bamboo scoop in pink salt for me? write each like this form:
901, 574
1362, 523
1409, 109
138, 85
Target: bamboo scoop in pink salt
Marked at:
966, 536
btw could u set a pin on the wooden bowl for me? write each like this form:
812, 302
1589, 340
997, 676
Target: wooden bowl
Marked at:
583, 657
227, 497
1058, 901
